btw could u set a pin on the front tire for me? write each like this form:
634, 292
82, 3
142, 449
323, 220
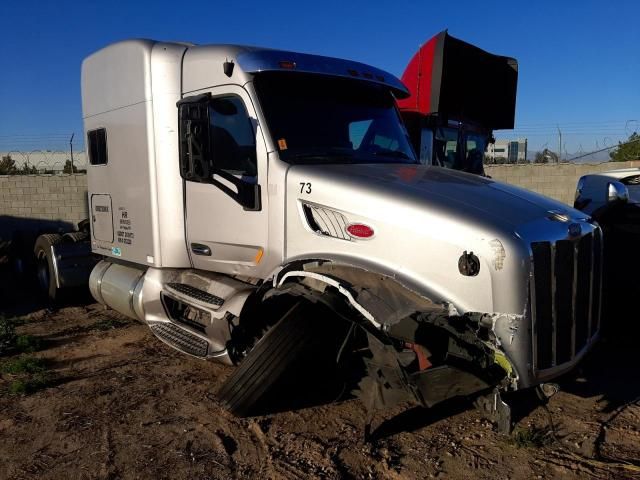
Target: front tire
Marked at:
265, 364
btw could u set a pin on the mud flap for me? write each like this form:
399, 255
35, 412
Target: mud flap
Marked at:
386, 384
493, 407
443, 382
506, 409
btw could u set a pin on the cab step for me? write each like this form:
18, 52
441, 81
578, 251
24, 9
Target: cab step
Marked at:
194, 293
181, 339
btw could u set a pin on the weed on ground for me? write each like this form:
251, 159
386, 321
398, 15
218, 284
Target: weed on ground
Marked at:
109, 324
531, 437
7, 335
12, 343
29, 385
24, 364
28, 343
26, 374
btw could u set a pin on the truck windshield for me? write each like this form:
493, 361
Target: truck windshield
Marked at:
320, 119
459, 150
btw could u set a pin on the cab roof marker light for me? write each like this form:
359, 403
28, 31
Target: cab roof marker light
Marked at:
227, 68
287, 64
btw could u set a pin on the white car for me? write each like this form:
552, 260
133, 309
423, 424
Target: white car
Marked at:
612, 199
598, 190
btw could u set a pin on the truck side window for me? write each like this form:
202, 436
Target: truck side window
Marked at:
446, 147
233, 141
97, 142
426, 147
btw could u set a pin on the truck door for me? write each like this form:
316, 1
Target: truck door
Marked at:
223, 166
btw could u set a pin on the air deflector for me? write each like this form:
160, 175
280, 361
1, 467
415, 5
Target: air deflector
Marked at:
460, 81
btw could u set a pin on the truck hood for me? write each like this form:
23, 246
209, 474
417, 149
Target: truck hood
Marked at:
446, 190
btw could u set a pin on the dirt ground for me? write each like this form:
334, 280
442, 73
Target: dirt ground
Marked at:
119, 403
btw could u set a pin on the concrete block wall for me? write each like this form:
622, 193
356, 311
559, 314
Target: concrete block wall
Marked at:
54, 202
37, 202
553, 180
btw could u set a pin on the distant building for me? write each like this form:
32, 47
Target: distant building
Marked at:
507, 151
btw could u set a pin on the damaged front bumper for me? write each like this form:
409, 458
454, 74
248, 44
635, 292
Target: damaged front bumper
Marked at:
426, 352
462, 358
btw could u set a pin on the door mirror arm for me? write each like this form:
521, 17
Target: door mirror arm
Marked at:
248, 194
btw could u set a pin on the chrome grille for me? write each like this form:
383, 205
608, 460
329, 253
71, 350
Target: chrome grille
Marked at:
565, 297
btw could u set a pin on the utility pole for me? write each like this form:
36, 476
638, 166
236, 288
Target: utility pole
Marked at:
559, 144
71, 150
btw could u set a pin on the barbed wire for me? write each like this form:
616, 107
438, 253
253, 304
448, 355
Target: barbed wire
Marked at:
18, 161
625, 156
42, 162
603, 145
41, 141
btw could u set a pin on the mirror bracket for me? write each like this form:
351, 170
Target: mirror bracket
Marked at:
248, 194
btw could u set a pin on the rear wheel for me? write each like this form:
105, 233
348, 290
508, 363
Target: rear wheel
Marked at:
76, 237
45, 265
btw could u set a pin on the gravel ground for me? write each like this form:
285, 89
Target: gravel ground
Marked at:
118, 403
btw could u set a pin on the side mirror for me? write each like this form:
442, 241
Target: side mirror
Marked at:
580, 202
193, 131
196, 161
617, 192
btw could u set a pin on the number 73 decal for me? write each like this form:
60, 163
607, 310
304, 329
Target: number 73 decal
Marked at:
305, 187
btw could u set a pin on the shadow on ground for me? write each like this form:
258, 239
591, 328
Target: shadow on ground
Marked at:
609, 372
20, 296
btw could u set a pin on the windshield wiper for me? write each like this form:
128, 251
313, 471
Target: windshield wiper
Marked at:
321, 152
324, 152
392, 153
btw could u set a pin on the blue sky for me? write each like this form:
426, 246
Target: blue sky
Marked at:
579, 60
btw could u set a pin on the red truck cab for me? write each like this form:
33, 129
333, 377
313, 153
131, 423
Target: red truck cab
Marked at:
459, 95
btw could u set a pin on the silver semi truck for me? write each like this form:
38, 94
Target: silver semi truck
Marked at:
246, 202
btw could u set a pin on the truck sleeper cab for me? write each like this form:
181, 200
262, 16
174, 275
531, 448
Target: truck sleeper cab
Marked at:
238, 190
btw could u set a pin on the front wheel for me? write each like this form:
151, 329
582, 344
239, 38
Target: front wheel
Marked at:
265, 364
45, 266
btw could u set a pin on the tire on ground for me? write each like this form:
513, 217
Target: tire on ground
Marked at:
265, 364
45, 266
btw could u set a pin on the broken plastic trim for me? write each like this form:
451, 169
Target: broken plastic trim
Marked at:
337, 285
489, 320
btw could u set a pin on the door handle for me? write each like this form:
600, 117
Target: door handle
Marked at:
200, 249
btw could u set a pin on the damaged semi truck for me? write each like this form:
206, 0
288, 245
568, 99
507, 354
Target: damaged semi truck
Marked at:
247, 203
